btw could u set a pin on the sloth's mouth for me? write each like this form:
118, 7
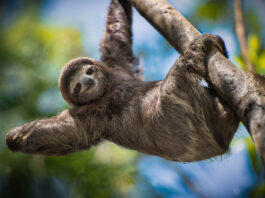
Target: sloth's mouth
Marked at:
89, 85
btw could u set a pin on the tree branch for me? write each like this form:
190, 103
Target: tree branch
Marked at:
168, 21
243, 91
240, 31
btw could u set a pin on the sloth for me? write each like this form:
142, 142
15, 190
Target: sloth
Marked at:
177, 118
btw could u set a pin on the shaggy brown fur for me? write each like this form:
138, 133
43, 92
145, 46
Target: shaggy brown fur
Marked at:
177, 118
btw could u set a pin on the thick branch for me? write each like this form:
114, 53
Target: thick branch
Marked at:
168, 21
240, 31
243, 91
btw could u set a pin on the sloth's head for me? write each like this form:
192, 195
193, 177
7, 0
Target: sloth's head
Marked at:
82, 81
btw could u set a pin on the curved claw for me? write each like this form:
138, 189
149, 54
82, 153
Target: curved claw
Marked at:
16, 137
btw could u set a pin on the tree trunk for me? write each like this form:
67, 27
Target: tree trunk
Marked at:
243, 91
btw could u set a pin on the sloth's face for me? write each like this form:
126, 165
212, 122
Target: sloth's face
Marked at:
87, 84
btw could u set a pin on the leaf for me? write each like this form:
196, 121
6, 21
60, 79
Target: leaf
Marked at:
210, 10
253, 47
253, 42
241, 62
255, 161
261, 60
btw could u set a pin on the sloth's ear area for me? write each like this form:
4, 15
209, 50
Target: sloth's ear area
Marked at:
58, 135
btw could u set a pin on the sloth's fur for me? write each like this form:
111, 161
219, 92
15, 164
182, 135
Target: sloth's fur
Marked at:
177, 118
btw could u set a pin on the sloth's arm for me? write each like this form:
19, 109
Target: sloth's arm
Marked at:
116, 43
58, 135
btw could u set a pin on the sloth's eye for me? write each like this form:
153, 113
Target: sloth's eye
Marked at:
89, 71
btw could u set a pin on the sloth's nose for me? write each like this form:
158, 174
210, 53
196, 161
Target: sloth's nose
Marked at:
87, 81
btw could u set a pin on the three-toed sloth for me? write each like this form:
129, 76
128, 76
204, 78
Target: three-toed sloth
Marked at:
177, 118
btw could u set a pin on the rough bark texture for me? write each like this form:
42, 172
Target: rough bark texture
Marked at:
243, 91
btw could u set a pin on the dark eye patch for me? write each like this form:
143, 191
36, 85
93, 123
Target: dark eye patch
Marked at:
90, 71
77, 89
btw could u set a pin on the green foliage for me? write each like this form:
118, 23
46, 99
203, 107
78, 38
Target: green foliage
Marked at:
256, 54
211, 10
258, 192
251, 22
104, 171
32, 55
254, 158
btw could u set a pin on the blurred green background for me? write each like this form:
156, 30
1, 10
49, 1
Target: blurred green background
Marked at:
38, 37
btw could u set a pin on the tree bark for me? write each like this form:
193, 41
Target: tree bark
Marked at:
243, 91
